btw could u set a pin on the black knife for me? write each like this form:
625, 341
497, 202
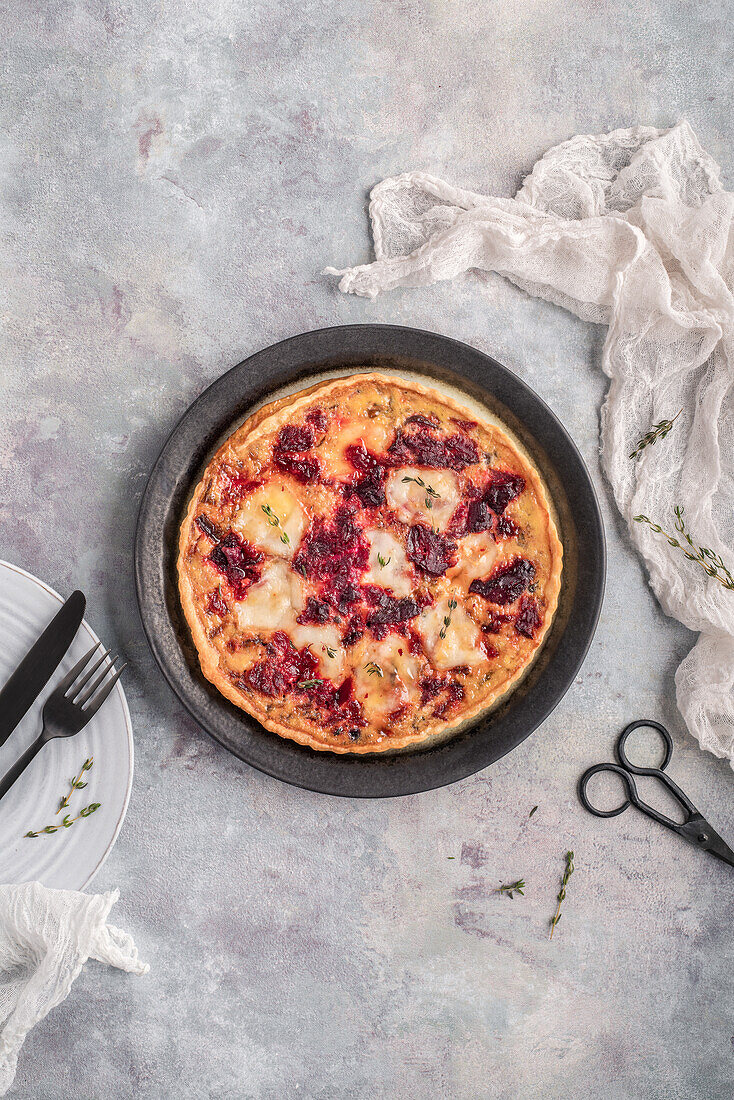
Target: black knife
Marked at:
39, 664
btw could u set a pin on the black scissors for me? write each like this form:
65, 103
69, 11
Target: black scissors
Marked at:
695, 829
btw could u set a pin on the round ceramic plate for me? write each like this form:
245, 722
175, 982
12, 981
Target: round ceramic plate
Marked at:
69, 858
294, 364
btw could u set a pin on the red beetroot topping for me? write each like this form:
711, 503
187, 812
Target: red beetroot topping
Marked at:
454, 695
423, 446
388, 611
215, 605
338, 706
431, 686
429, 551
315, 611
370, 488
288, 456
495, 622
502, 489
235, 487
354, 631
528, 617
507, 583
238, 561
283, 667
318, 420
209, 529
337, 554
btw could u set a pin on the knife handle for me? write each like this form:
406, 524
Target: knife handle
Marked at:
20, 766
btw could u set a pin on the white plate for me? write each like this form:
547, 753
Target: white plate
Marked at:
69, 858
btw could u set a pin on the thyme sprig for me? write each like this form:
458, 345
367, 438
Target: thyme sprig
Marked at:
431, 493
303, 684
564, 882
447, 619
658, 431
383, 561
512, 888
373, 669
76, 784
66, 822
275, 522
711, 563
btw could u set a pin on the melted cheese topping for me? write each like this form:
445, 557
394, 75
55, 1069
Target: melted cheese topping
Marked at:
408, 498
461, 644
323, 641
477, 554
398, 685
259, 527
375, 433
397, 574
274, 602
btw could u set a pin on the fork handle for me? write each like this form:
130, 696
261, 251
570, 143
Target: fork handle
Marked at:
20, 766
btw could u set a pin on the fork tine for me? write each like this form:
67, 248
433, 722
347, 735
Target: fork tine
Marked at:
100, 698
80, 700
70, 677
72, 695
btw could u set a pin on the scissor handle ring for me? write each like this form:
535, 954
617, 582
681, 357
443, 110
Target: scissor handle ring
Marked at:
622, 742
584, 781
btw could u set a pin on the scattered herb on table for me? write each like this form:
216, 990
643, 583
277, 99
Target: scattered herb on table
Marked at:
512, 888
76, 784
66, 822
532, 812
710, 562
447, 619
658, 431
564, 882
275, 522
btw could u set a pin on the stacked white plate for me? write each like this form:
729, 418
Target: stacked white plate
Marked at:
69, 857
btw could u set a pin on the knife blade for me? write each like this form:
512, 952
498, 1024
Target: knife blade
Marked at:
40, 662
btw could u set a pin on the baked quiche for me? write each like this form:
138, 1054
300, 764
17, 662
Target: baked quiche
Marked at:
367, 564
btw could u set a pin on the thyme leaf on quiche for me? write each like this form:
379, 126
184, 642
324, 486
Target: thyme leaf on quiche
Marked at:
512, 888
431, 493
711, 563
658, 431
331, 651
383, 561
275, 522
564, 882
76, 784
447, 619
303, 684
373, 669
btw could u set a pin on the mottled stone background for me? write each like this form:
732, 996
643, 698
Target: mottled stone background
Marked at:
175, 175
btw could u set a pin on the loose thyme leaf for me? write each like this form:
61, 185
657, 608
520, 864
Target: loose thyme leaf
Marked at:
658, 431
76, 783
303, 684
373, 669
532, 812
430, 491
564, 881
513, 888
711, 563
383, 561
331, 652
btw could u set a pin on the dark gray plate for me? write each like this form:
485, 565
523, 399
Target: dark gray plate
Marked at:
225, 403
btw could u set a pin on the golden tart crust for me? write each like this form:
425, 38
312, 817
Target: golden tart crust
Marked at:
366, 565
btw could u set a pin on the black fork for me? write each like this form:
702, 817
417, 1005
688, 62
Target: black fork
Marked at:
69, 708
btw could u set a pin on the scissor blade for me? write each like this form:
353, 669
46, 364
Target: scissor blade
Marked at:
717, 846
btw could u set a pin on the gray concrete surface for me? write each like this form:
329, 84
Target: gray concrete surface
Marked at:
174, 177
